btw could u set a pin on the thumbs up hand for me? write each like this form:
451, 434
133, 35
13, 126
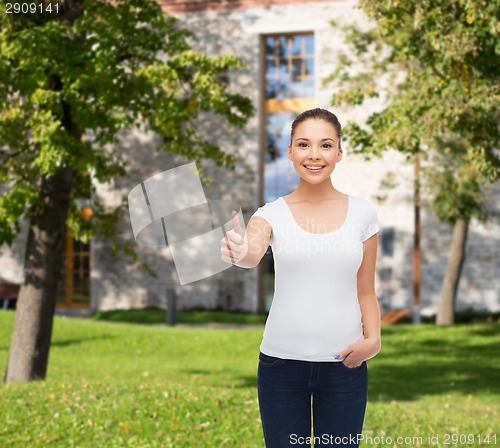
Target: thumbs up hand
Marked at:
234, 246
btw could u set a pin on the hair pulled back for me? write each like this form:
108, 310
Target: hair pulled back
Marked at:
317, 114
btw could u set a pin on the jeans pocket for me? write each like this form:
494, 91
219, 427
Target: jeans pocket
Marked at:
351, 368
269, 361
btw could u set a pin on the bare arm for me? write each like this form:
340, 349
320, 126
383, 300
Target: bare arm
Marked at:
368, 302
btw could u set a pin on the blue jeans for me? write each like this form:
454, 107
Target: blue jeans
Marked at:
339, 395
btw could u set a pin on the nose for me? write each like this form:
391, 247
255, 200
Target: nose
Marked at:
314, 153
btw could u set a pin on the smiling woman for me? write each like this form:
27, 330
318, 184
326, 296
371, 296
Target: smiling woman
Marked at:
324, 320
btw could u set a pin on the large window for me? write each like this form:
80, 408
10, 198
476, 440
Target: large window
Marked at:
288, 89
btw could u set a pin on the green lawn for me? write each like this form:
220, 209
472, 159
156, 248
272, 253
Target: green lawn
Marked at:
120, 385
159, 316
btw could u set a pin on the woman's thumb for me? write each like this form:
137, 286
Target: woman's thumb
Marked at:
236, 222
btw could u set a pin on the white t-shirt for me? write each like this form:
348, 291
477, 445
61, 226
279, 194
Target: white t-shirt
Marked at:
315, 312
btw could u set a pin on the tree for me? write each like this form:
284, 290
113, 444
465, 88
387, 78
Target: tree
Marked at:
438, 61
105, 67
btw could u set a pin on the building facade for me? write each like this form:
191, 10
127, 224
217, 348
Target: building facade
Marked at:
288, 47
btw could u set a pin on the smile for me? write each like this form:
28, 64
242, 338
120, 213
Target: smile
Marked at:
314, 168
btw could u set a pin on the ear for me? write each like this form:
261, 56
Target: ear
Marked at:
290, 152
339, 155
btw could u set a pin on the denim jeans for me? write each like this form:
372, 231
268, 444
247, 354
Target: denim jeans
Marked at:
339, 395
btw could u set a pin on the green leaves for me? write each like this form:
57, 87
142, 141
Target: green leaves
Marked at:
116, 66
436, 64
12, 205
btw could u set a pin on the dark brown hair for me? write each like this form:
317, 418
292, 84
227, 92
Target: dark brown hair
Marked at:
317, 114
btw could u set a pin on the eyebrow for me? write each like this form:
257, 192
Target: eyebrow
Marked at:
323, 140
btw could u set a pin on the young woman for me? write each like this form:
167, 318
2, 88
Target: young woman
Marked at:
324, 321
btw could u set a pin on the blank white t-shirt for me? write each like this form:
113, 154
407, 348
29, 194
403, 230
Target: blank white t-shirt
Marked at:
315, 312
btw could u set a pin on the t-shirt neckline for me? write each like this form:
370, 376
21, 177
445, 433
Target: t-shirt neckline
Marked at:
349, 205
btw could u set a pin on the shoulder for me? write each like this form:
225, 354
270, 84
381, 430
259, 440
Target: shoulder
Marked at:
363, 207
269, 211
365, 217
361, 202
273, 205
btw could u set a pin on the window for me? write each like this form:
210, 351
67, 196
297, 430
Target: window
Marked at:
74, 280
288, 89
289, 69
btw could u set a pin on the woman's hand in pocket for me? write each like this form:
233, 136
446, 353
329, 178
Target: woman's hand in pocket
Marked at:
360, 351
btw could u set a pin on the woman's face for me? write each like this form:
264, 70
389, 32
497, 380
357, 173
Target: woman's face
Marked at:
315, 143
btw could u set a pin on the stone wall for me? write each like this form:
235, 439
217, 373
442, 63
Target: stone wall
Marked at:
12, 257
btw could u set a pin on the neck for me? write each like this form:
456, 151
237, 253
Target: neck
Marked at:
315, 192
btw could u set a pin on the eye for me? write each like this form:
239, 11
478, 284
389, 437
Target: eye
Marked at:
302, 145
327, 145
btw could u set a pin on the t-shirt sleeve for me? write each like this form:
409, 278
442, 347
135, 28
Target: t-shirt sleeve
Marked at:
263, 212
370, 226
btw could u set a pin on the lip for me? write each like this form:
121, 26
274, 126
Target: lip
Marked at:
315, 171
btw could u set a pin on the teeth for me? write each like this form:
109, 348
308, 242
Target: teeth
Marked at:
314, 167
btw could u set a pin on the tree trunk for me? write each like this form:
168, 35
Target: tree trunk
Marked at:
29, 351
445, 315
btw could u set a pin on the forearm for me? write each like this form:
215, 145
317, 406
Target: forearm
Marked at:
370, 315
248, 262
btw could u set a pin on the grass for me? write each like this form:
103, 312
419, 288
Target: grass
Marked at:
119, 385
158, 316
